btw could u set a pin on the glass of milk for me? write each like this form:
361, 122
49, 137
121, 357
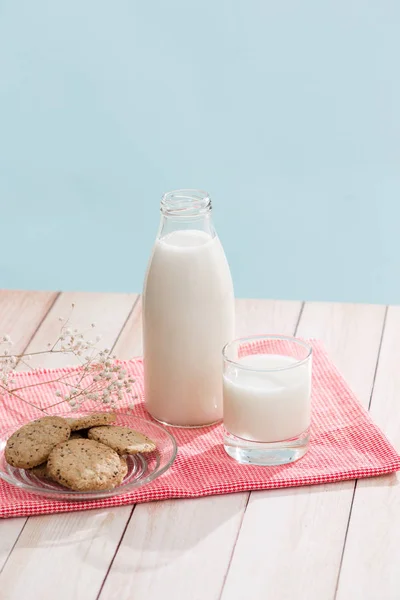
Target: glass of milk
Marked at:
267, 399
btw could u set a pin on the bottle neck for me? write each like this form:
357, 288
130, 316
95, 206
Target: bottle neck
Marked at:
184, 210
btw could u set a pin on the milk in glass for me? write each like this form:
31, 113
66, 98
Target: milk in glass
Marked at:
188, 314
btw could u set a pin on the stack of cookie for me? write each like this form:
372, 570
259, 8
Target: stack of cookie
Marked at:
83, 454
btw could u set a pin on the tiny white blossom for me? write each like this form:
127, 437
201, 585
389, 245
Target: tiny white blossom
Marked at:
93, 325
98, 338
58, 393
6, 338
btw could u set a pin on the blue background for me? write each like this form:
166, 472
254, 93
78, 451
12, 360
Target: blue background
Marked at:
288, 113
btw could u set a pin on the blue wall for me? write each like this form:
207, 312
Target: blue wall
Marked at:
288, 113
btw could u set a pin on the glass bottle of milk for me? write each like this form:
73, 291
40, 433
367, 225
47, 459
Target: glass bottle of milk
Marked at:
188, 314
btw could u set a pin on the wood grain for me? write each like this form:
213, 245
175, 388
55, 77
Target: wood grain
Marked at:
282, 544
291, 541
76, 548
371, 559
20, 315
182, 549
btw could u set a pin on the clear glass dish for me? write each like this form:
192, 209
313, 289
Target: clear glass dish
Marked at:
142, 468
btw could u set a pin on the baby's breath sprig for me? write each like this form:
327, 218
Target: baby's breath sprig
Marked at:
100, 379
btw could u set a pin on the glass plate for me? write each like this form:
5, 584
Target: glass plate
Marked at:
142, 468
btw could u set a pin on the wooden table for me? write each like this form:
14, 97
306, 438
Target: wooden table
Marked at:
322, 542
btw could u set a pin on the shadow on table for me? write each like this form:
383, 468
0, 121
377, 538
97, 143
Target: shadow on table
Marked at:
158, 533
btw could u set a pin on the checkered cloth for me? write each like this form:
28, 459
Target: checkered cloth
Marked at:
345, 444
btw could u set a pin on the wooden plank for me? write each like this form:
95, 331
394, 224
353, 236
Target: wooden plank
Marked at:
75, 547
107, 311
291, 541
370, 568
182, 549
20, 315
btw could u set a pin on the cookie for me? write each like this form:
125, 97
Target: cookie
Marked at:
100, 418
40, 471
31, 445
122, 439
124, 468
85, 465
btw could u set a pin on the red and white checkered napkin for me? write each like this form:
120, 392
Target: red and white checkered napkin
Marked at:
345, 444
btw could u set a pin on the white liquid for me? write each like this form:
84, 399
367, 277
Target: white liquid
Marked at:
267, 406
188, 316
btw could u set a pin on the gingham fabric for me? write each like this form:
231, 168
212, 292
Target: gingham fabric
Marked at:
345, 444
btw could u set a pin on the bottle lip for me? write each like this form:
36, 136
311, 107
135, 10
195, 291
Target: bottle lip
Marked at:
185, 203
